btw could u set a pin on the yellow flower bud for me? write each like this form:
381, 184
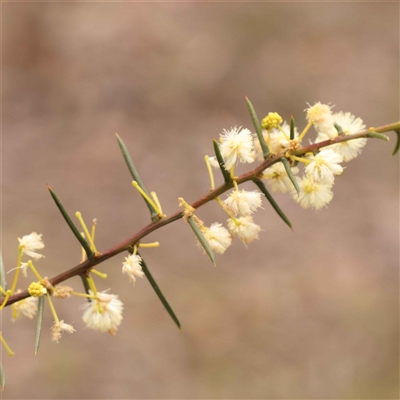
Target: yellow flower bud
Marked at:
272, 120
36, 289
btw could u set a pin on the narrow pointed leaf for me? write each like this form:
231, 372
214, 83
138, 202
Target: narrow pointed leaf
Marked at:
2, 377
289, 171
291, 128
3, 281
258, 129
86, 286
202, 239
373, 134
72, 226
162, 298
396, 148
135, 175
339, 129
271, 200
225, 173
39, 322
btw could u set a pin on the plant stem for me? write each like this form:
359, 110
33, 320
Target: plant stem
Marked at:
84, 266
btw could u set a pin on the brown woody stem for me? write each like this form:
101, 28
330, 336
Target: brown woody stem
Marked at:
85, 266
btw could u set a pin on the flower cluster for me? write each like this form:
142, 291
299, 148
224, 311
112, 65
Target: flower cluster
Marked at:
132, 267
218, 237
349, 124
236, 144
307, 173
321, 167
314, 187
242, 202
277, 139
278, 179
103, 313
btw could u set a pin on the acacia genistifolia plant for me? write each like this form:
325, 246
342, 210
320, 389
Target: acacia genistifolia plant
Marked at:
305, 171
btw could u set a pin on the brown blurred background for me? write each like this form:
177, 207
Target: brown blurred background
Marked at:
309, 314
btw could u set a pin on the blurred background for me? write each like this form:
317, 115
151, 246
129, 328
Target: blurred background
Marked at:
309, 314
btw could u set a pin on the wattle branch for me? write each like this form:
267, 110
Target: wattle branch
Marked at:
83, 268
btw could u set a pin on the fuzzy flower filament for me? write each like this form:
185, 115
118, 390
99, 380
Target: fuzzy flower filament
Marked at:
277, 177
349, 149
217, 237
236, 144
242, 202
320, 115
27, 307
213, 162
24, 269
132, 267
312, 193
58, 328
30, 243
324, 166
244, 228
277, 140
103, 313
